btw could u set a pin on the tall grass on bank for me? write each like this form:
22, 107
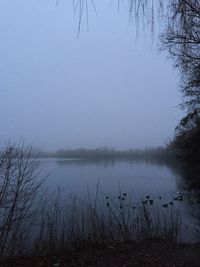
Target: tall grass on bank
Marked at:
30, 223
77, 223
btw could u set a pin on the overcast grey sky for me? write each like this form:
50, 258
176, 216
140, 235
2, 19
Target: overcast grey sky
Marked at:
103, 89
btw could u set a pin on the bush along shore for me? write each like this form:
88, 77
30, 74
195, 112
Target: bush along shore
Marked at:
37, 229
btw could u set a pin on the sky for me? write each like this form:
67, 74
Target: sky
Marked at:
104, 88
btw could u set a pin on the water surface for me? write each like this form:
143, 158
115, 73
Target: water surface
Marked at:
161, 181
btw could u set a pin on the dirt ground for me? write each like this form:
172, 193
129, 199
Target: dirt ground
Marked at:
148, 253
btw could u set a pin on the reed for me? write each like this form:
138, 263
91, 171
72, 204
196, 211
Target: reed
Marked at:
76, 223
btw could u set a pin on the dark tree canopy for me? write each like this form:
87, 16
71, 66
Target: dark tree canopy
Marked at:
182, 39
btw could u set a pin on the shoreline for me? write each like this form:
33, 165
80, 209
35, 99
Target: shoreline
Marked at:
117, 254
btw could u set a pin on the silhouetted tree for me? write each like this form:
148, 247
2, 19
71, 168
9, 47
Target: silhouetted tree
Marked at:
18, 189
182, 39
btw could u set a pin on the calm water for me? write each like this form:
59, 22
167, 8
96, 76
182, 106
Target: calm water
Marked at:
139, 178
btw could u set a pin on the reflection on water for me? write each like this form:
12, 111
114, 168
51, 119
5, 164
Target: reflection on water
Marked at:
112, 161
138, 177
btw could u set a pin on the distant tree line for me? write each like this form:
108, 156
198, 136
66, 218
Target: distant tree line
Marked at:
102, 153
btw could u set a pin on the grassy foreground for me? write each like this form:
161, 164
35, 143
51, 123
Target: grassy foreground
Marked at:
147, 253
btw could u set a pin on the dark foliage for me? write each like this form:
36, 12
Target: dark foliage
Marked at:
186, 143
182, 39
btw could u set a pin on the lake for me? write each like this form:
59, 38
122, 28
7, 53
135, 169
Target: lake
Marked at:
159, 180
137, 176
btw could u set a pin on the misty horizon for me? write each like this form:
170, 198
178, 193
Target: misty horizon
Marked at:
103, 89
